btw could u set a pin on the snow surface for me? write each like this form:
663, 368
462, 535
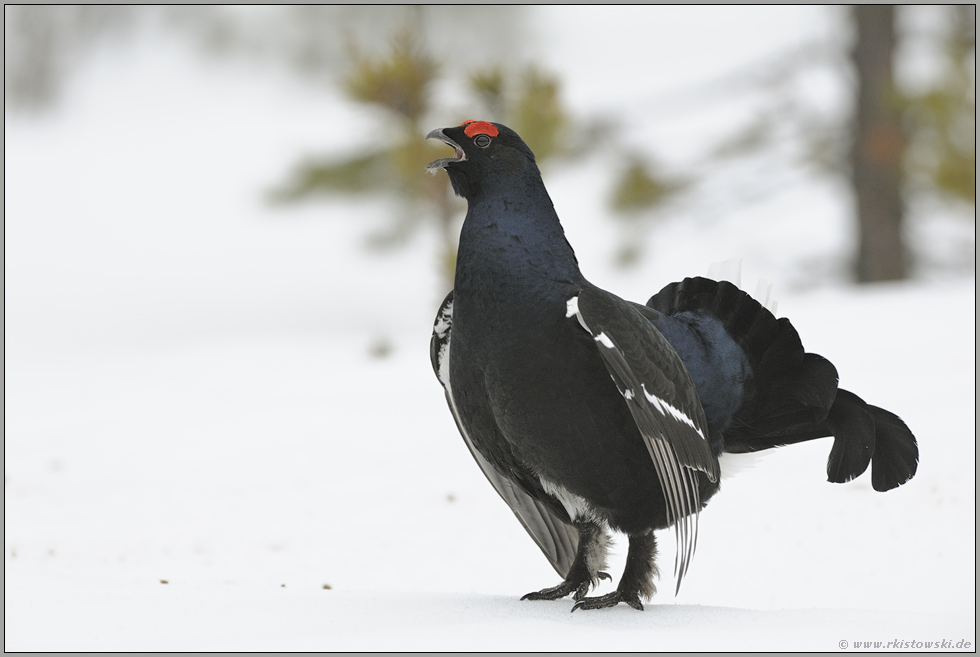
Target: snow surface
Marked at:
199, 442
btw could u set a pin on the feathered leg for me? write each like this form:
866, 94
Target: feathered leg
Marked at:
585, 572
637, 580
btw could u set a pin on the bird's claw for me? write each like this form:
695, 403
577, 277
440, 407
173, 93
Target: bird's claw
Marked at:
552, 593
583, 589
609, 600
580, 589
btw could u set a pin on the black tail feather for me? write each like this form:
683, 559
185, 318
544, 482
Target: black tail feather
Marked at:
853, 428
793, 395
896, 455
790, 390
794, 400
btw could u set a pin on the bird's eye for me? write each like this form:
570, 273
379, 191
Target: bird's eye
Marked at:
482, 141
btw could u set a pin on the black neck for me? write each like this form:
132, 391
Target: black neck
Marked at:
514, 236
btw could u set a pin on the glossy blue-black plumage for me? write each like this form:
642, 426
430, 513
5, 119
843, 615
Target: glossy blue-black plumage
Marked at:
586, 411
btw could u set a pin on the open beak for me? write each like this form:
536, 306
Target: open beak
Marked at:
458, 154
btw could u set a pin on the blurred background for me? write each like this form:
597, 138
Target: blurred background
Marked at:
222, 254
696, 114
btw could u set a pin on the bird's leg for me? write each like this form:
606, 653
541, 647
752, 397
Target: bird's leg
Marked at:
637, 580
585, 571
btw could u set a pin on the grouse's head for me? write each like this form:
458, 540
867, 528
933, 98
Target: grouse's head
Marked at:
482, 152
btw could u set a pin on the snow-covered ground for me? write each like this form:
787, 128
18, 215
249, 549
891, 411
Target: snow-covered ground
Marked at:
202, 453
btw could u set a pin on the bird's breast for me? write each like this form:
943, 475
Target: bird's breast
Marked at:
540, 377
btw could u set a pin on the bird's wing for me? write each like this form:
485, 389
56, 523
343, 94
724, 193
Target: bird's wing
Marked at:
556, 538
663, 401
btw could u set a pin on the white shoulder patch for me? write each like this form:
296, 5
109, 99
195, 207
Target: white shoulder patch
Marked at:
442, 329
444, 321
571, 307
571, 310
444, 366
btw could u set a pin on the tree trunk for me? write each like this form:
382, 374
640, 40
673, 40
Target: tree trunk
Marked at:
878, 149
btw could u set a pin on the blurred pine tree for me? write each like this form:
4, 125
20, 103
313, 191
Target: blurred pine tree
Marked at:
400, 81
45, 45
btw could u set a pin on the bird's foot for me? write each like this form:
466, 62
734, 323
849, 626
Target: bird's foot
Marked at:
609, 600
583, 589
579, 588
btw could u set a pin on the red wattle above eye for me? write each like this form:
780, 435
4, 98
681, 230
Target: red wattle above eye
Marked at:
474, 128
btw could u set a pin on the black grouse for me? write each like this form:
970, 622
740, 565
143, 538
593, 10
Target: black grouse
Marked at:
589, 413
